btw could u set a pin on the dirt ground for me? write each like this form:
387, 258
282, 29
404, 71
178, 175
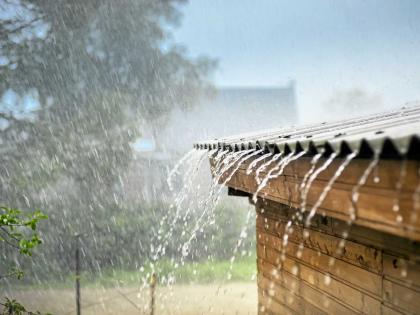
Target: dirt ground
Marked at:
233, 298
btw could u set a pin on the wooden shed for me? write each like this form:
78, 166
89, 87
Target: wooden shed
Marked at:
337, 219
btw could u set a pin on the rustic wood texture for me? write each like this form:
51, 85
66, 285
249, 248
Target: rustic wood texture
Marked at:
375, 206
371, 272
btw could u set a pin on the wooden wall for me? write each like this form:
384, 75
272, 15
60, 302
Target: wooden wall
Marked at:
374, 208
374, 273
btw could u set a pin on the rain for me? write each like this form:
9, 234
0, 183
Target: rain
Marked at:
205, 157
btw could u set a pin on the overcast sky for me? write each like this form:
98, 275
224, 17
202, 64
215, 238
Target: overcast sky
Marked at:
326, 46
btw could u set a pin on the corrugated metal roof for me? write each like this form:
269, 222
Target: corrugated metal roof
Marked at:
390, 134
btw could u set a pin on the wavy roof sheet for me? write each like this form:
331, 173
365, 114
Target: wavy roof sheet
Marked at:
393, 134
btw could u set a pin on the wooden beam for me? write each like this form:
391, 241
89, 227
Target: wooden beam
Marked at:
375, 207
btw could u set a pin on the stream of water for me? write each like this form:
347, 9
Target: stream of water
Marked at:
225, 164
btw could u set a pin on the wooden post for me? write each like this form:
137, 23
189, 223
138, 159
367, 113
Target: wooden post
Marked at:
77, 282
153, 281
77, 257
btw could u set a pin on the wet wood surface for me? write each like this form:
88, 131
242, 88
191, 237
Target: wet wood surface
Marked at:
385, 202
370, 273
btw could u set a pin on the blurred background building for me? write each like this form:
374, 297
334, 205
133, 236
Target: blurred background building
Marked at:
228, 111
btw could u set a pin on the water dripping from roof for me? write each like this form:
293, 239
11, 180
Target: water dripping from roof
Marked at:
192, 160
313, 176
398, 187
354, 199
254, 163
305, 179
280, 167
174, 171
355, 191
266, 179
289, 160
265, 165
328, 187
297, 217
207, 207
416, 200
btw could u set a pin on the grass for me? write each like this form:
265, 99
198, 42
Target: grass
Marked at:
242, 270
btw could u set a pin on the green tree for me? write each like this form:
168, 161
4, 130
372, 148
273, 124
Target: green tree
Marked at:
86, 75
17, 234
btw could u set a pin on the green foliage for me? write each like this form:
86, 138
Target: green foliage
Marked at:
18, 231
220, 239
13, 307
126, 236
11, 223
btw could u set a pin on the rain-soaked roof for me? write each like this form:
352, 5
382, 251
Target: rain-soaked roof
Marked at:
392, 134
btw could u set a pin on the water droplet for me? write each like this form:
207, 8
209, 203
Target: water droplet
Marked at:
327, 279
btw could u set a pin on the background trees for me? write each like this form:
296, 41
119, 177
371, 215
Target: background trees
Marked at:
78, 80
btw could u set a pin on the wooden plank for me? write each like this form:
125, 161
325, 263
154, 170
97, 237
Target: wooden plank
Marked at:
387, 171
360, 255
334, 287
270, 306
327, 283
386, 242
393, 261
404, 271
374, 207
279, 214
401, 297
355, 275
261, 250
311, 294
288, 298
386, 310
348, 273
274, 210
373, 204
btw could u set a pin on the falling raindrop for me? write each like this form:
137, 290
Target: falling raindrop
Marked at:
398, 187
355, 191
264, 166
329, 185
279, 168
327, 279
254, 163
